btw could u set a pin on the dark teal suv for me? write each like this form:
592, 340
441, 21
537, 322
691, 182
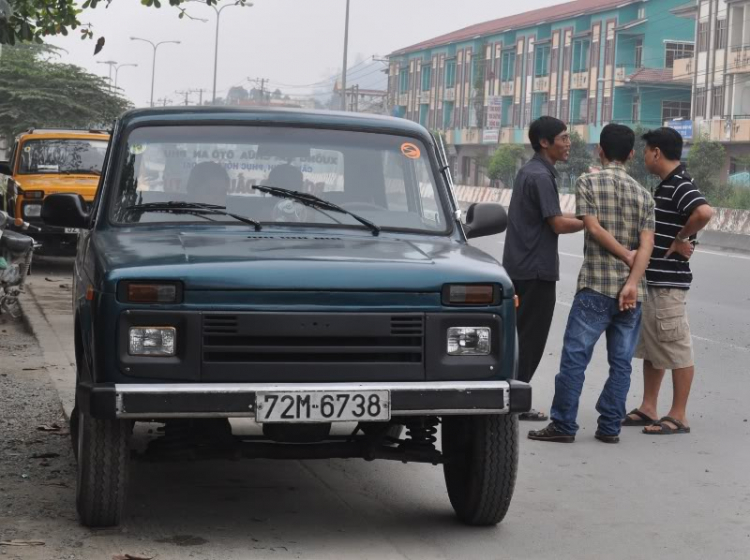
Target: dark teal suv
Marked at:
307, 270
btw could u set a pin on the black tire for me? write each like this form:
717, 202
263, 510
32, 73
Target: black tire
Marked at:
481, 455
73, 426
103, 465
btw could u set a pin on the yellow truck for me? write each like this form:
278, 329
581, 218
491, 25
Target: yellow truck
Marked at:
44, 162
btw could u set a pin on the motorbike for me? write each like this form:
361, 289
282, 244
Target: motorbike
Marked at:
16, 252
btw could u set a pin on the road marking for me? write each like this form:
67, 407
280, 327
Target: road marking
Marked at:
701, 338
727, 344
726, 255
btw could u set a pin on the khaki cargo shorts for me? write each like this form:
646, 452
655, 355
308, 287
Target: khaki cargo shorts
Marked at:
665, 332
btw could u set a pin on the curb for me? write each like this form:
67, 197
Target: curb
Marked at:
59, 364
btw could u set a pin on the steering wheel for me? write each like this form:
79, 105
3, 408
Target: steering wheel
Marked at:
363, 206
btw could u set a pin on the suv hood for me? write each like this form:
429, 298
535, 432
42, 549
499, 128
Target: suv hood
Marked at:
85, 185
231, 260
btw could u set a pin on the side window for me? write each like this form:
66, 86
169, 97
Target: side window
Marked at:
410, 188
395, 182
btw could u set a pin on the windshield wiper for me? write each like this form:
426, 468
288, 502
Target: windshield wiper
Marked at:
196, 208
315, 202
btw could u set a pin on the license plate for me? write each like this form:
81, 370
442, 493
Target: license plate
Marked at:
71, 230
322, 406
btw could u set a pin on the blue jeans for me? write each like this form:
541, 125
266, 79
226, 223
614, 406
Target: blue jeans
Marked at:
591, 315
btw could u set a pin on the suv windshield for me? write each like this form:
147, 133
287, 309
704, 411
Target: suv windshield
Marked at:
62, 156
386, 179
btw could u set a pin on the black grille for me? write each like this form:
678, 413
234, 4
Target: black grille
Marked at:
300, 338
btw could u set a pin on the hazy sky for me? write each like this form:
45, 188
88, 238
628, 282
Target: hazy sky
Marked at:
289, 42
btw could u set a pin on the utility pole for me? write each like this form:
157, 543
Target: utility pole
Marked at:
346, 55
186, 93
262, 82
154, 46
200, 95
164, 101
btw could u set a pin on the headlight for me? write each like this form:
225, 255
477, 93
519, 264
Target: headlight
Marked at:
469, 341
153, 341
32, 210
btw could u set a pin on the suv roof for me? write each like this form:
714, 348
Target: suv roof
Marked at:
302, 117
62, 133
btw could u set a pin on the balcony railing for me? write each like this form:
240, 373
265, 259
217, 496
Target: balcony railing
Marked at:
620, 75
424, 98
580, 80
450, 94
507, 89
403, 99
683, 69
541, 83
739, 60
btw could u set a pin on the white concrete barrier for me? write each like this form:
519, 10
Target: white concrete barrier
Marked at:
725, 220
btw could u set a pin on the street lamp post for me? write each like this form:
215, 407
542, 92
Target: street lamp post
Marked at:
153, 63
216, 42
346, 55
117, 70
109, 63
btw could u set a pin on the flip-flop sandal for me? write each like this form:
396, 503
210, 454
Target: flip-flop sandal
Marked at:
643, 419
668, 430
533, 416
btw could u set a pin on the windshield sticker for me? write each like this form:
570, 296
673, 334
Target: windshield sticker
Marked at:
137, 149
410, 150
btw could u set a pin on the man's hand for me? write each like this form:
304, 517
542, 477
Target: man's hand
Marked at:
630, 259
683, 248
628, 296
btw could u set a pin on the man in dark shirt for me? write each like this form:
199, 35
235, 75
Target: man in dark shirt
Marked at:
535, 220
665, 341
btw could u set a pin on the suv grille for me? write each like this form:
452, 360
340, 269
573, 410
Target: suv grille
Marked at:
302, 338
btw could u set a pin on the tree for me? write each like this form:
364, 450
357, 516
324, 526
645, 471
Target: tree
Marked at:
580, 159
36, 92
504, 162
637, 166
705, 161
32, 20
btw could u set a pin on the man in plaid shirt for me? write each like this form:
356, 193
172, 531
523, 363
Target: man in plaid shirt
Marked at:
618, 217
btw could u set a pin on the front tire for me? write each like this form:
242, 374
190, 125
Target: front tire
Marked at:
481, 461
103, 468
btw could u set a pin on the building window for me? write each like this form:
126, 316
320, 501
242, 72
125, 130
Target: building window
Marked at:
703, 33
580, 56
675, 110
677, 51
721, 34
450, 74
541, 67
639, 52
636, 115
508, 72
717, 102
606, 110
426, 77
642, 12
700, 102
404, 80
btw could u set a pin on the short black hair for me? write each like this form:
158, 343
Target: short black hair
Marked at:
617, 141
668, 140
545, 128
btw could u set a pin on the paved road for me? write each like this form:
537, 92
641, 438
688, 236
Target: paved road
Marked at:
682, 497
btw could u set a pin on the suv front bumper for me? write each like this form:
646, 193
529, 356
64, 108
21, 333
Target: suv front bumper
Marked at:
223, 400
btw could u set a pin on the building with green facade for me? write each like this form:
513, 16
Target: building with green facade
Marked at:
587, 62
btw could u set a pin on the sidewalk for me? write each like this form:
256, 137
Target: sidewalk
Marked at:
47, 309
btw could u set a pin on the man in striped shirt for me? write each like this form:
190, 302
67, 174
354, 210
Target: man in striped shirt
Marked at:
665, 341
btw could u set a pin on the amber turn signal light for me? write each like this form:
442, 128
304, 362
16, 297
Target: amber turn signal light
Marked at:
473, 294
150, 292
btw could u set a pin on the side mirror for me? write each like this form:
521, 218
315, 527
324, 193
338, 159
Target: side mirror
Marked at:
5, 168
65, 210
485, 218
